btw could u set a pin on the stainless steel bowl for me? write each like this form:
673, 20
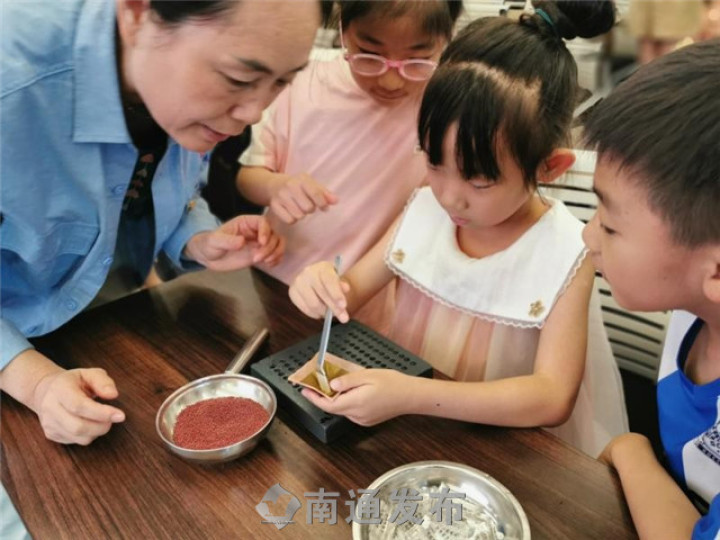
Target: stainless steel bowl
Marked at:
228, 384
505, 517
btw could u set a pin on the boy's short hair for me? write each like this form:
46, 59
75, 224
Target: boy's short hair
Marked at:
662, 126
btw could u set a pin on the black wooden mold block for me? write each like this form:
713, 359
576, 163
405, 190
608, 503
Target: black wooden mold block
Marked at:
352, 341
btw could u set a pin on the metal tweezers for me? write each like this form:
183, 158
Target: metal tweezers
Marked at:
320, 373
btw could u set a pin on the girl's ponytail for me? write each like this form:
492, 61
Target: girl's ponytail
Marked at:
568, 19
517, 81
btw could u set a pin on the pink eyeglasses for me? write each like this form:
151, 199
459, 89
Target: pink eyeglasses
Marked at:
374, 65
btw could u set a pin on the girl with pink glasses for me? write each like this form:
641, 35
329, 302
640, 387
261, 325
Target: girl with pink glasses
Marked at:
491, 280
341, 139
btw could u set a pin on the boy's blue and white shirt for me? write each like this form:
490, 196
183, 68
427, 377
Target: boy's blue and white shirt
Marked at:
689, 417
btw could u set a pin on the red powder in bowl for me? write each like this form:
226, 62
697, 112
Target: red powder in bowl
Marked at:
218, 422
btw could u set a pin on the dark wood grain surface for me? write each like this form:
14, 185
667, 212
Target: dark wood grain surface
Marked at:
127, 485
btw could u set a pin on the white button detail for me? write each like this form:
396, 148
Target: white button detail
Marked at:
118, 190
71, 305
107, 261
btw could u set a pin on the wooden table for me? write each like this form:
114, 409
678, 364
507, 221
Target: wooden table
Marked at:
127, 485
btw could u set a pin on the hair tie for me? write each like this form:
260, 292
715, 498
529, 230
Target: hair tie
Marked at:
548, 20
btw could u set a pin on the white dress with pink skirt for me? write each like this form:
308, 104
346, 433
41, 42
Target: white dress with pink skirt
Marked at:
480, 319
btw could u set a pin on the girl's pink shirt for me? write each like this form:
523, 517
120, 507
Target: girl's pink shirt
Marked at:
363, 152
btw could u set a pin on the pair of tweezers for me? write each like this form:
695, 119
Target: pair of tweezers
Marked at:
325, 337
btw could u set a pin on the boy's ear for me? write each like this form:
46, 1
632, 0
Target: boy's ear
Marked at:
555, 165
711, 281
130, 15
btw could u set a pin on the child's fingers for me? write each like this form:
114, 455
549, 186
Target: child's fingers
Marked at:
278, 251
343, 404
349, 381
320, 401
332, 285
305, 298
283, 215
333, 301
297, 298
319, 195
308, 301
308, 193
263, 253
304, 197
294, 209
260, 253
331, 291
331, 198
263, 230
310, 294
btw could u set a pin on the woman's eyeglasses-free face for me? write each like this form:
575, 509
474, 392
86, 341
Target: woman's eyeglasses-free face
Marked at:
374, 65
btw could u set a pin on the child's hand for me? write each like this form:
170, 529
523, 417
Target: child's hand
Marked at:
318, 287
238, 243
299, 196
369, 396
64, 402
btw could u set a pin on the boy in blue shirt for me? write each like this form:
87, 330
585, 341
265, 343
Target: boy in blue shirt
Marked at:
656, 239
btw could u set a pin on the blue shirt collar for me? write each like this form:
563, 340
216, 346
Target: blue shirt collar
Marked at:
98, 114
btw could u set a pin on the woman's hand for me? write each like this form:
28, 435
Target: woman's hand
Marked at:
369, 396
299, 196
240, 242
65, 404
318, 287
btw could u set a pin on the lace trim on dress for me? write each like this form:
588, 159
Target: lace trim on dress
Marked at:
390, 263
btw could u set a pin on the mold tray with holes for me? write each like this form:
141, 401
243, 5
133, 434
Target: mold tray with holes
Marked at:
352, 341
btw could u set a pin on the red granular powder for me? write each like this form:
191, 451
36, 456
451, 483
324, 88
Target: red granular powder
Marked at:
218, 422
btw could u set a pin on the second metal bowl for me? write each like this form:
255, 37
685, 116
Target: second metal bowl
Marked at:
500, 513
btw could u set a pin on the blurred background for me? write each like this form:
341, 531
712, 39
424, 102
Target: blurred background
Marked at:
645, 29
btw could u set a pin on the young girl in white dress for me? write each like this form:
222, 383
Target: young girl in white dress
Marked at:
493, 286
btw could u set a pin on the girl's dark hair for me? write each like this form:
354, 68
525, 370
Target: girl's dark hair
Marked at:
178, 11
662, 128
515, 80
437, 17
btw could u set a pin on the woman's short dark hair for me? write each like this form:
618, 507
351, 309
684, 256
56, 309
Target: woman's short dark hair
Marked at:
662, 126
437, 16
515, 80
178, 11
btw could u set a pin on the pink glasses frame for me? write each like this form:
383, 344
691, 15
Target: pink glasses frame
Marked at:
395, 64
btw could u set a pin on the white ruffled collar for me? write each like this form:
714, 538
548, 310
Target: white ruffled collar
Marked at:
516, 286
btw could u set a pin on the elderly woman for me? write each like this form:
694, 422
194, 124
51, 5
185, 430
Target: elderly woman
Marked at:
108, 111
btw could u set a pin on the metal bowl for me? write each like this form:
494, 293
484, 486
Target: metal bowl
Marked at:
228, 384
215, 386
500, 512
